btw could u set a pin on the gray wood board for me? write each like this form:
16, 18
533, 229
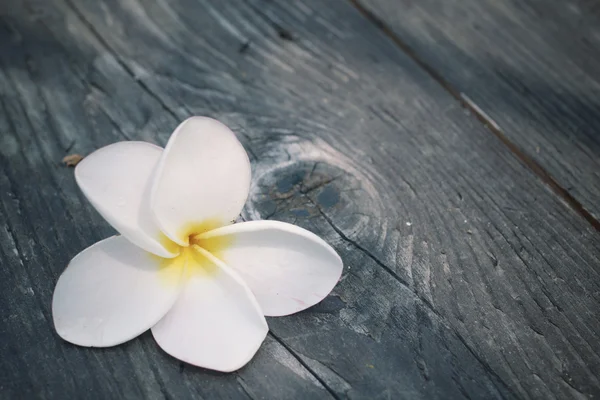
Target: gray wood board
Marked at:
531, 66
464, 275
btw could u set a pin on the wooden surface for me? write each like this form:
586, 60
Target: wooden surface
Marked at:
531, 68
466, 275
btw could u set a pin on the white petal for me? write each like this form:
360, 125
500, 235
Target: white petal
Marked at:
202, 179
117, 180
111, 292
216, 323
287, 268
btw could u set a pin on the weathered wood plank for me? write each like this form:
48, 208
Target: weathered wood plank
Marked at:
55, 100
532, 67
465, 276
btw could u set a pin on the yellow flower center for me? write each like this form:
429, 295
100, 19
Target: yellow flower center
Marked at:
192, 260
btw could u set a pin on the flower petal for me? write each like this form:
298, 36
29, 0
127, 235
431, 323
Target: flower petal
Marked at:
111, 292
287, 268
116, 179
202, 178
216, 323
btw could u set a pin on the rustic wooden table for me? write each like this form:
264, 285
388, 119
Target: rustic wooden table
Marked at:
448, 149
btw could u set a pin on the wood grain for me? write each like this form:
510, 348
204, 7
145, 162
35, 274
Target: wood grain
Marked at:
465, 277
532, 68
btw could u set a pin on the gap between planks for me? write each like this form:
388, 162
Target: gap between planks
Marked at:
490, 124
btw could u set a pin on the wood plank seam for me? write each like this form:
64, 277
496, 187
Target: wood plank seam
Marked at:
491, 125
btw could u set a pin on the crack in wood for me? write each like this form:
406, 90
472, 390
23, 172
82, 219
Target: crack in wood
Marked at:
441, 318
306, 366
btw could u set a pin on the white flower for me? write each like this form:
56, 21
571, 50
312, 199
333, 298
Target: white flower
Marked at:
203, 286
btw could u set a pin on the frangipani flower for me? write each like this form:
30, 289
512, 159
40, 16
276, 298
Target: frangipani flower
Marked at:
179, 268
